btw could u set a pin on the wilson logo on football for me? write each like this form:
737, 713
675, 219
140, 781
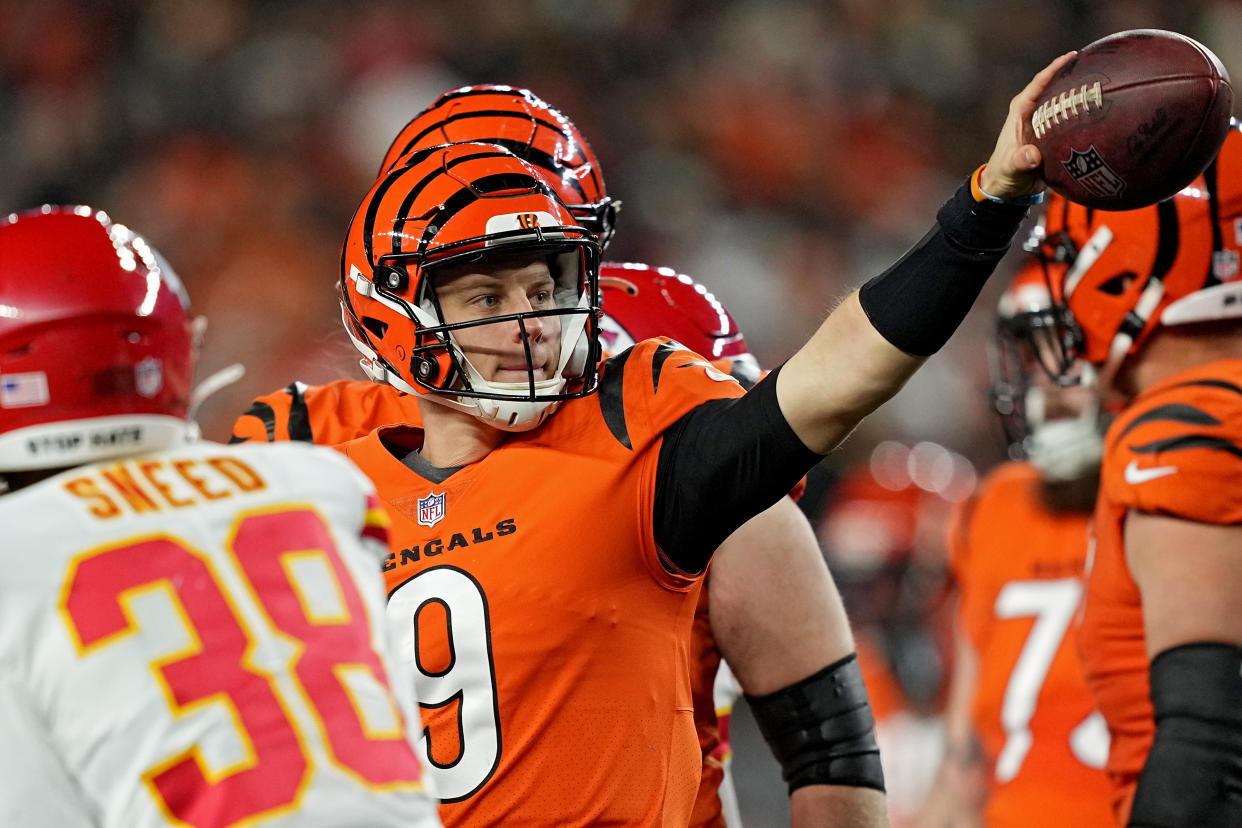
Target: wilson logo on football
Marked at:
431, 509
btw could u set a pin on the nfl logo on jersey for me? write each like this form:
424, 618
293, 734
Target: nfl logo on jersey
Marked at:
431, 509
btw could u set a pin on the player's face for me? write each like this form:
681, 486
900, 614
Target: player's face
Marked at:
479, 290
1059, 401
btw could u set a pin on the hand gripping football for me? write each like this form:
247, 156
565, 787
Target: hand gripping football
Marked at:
1132, 119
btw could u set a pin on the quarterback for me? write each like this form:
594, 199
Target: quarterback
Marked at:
774, 608
554, 514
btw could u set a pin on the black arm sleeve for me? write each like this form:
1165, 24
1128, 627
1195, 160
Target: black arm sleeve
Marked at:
1193, 773
721, 464
918, 303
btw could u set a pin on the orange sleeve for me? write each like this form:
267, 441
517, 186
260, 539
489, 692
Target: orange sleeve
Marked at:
327, 415
676, 381
266, 420
1178, 452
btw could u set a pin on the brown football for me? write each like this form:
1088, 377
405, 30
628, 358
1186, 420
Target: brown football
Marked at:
1132, 119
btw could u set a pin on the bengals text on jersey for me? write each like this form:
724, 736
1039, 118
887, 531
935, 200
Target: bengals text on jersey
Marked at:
1176, 451
345, 410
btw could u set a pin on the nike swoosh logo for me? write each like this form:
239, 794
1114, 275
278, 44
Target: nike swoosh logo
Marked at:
1134, 475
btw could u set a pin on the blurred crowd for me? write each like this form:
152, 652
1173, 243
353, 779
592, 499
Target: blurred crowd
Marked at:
780, 151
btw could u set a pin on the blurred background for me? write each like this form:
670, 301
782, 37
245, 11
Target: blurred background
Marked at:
779, 151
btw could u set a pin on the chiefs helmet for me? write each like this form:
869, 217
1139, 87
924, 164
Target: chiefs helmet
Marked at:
1127, 273
457, 204
641, 302
1050, 415
96, 342
529, 128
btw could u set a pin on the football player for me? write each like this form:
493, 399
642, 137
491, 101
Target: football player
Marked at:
640, 300
553, 515
1023, 735
774, 610
190, 634
1153, 299
776, 613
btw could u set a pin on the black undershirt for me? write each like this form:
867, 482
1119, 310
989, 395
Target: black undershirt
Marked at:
721, 464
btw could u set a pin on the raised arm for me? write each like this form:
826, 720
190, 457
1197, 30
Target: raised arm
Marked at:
875, 340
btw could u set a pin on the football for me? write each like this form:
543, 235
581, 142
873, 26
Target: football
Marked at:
1132, 119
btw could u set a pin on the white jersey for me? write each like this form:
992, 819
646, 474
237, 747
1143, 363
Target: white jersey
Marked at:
725, 693
197, 638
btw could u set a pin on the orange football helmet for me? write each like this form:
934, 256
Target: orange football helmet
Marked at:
532, 130
452, 204
1127, 273
96, 342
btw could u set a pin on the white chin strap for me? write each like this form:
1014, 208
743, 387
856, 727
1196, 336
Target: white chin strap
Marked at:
1222, 301
1065, 449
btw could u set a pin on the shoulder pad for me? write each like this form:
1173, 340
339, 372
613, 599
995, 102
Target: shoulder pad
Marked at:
1178, 451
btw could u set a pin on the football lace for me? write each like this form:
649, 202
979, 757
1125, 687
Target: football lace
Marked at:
1066, 106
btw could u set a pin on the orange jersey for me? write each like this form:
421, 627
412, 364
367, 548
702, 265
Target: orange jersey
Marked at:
1019, 571
1174, 451
610, 734
344, 410
712, 728
328, 415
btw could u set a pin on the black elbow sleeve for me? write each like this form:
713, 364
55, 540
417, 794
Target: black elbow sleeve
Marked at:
821, 729
1193, 774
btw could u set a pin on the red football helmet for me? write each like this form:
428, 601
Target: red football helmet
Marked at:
641, 302
96, 342
449, 205
1127, 273
529, 128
